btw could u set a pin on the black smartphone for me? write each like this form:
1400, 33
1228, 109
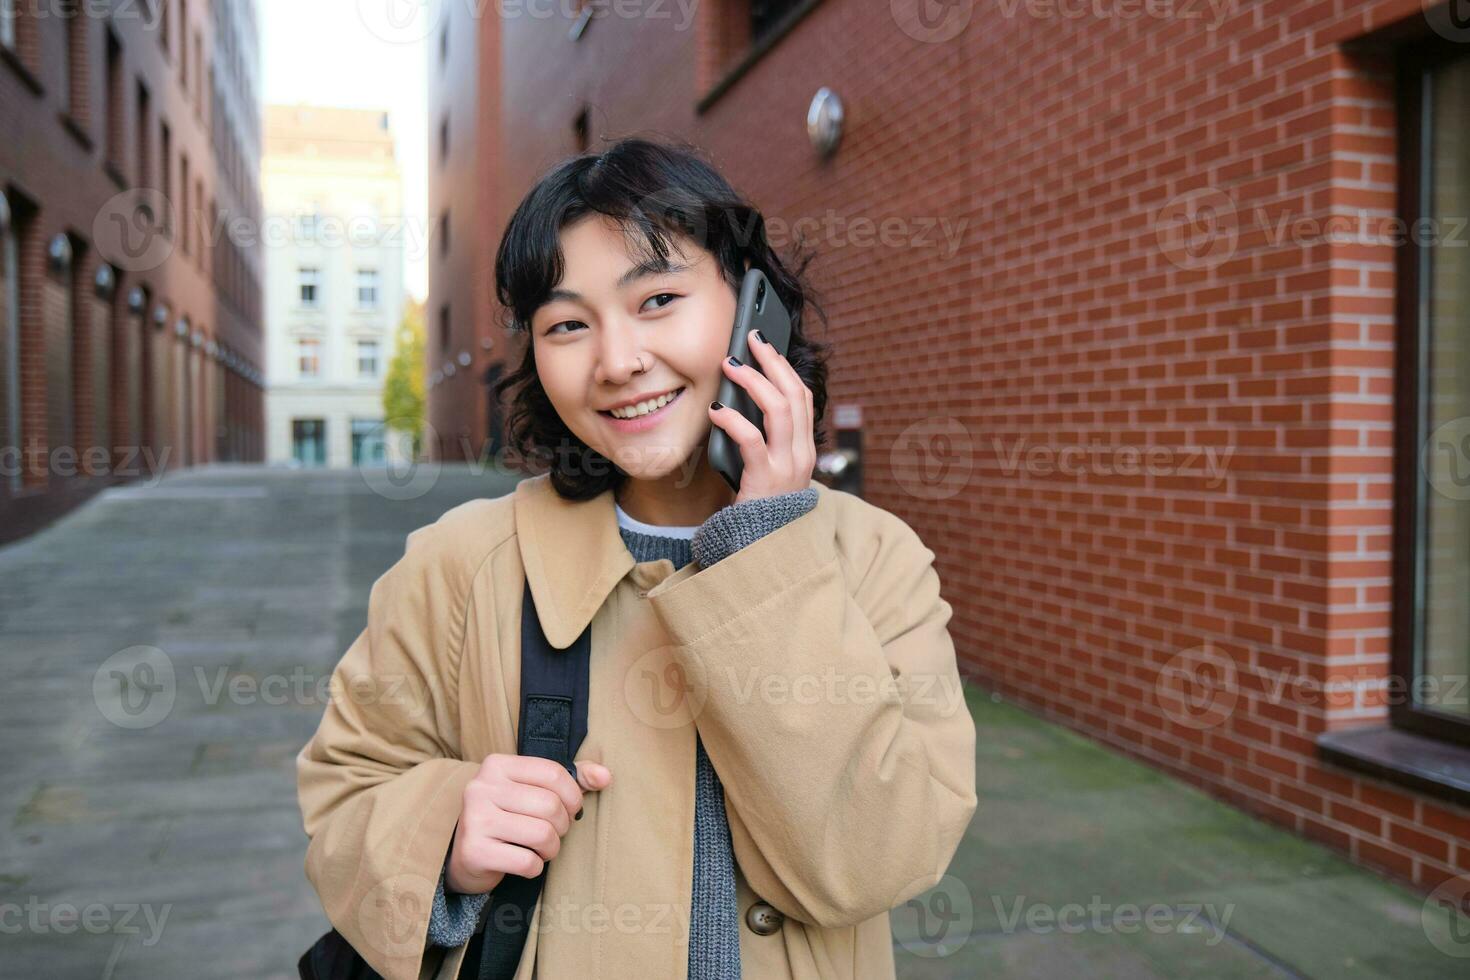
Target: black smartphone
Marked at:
759, 309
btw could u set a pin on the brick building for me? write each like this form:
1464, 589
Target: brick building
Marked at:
1126, 333
130, 340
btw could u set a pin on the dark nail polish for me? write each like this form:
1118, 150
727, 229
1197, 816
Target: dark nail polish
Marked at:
734, 361
578, 816
716, 405
757, 335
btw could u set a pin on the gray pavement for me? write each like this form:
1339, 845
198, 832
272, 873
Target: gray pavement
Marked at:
162, 647
167, 842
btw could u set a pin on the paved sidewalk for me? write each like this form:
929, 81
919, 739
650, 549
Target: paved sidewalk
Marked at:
1075, 850
159, 836
252, 581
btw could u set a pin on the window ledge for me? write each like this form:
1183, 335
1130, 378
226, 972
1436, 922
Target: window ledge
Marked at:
757, 51
71, 125
12, 59
1432, 766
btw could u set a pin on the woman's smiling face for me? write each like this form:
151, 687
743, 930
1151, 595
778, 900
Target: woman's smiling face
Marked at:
614, 330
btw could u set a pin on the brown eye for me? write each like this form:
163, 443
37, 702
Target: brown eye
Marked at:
671, 296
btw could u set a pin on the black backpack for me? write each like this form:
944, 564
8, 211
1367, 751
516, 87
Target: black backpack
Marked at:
553, 723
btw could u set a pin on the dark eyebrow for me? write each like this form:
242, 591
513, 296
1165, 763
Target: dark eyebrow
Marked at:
648, 267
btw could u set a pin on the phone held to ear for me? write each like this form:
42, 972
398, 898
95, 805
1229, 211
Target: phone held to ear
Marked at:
759, 309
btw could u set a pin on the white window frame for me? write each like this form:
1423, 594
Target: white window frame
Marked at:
308, 224
376, 358
314, 280
368, 279
302, 343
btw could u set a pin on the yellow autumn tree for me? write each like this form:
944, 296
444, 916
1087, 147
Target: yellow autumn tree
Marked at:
403, 388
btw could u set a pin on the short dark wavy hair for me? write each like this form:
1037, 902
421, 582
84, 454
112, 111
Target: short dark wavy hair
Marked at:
658, 191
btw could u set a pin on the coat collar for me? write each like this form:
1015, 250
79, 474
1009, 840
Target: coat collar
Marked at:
573, 555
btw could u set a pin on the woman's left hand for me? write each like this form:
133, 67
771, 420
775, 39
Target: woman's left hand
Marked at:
783, 458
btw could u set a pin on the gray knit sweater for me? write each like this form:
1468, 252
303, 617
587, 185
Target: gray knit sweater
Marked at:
714, 927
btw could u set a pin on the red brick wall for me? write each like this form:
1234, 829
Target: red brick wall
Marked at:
53, 170
1061, 150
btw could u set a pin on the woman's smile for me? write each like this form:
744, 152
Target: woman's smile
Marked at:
644, 421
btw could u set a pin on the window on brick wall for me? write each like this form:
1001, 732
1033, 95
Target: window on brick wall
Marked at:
143, 133
1431, 648
166, 161
201, 232
580, 127
198, 74
73, 86
184, 44
738, 34
186, 216
115, 96
766, 14
9, 339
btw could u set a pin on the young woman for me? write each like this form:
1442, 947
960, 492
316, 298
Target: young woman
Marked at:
777, 750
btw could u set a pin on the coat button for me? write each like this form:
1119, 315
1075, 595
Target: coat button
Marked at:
763, 919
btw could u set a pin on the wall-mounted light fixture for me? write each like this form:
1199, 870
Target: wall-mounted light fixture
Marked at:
824, 121
58, 253
105, 281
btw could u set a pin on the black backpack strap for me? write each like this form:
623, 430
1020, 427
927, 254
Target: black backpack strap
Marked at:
553, 722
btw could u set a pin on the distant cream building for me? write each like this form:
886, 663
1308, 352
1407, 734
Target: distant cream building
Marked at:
334, 282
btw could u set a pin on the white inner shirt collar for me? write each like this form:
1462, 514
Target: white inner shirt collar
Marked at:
657, 530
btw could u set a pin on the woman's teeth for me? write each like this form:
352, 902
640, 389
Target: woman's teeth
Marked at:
643, 408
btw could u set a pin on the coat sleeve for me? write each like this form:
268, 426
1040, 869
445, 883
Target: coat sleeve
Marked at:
834, 714
380, 783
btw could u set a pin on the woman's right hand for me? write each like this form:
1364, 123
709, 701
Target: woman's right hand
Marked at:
513, 815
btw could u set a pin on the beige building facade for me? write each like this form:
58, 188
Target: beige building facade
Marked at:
334, 295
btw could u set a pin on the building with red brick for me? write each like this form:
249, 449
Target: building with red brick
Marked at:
130, 326
1149, 318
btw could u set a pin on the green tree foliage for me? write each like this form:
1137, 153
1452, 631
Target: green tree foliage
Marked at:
403, 389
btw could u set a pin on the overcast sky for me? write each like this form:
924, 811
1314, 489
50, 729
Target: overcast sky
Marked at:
361, 54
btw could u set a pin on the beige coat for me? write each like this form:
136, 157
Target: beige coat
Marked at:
815, 663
